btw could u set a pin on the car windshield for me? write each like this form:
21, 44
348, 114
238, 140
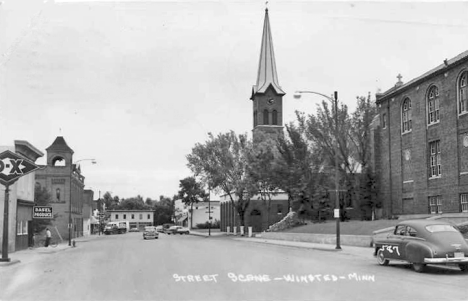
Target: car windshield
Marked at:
440, 228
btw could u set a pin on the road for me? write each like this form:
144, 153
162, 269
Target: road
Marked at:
126, 267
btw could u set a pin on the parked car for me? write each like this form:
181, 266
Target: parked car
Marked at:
160, 229
177, 230
422, 242
134, 229
150, 232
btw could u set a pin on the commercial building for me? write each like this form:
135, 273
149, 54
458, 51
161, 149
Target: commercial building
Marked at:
64, 180
136, 218
21, 200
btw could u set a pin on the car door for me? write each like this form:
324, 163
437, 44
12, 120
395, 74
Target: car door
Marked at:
394, 246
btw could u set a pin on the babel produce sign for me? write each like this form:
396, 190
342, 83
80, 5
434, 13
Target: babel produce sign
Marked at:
14, 166
42, 212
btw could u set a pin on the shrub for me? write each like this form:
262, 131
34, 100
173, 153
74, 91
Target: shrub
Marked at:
206, 225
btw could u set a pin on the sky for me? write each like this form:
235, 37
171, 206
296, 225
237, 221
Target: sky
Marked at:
136, 84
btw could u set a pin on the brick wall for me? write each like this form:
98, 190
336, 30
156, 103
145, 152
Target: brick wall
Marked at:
404, 182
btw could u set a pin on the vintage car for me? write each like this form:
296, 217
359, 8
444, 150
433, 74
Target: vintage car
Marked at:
422, 242
177, 230
150, 232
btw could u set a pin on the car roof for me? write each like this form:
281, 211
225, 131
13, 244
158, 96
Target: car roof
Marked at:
420, 223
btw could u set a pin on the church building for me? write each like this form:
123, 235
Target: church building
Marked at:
421, 143
267, 102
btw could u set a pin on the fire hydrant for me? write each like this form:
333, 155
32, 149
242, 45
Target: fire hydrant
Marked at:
73, 244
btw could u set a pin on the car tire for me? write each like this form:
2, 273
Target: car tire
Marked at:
463, 267
419, 267
381, 258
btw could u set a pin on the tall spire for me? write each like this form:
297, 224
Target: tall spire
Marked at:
267, 66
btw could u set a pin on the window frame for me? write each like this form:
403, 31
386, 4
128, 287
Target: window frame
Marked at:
463, 202
274, 117
433, 105
266, 117
435, 204
462, 104
435, 165
406, 116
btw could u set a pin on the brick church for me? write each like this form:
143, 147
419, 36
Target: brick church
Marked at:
421, 142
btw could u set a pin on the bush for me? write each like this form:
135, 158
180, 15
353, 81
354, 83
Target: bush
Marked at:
206, 225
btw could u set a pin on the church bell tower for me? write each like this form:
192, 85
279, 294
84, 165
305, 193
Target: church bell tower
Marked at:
267, 95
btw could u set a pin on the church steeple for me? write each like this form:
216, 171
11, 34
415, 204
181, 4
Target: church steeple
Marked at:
267, 75
267, 95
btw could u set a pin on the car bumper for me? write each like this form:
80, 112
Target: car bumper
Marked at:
446, 260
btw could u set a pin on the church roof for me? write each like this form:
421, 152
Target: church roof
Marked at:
59, 145
399, 87
267, 66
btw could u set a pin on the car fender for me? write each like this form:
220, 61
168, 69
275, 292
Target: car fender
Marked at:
416, 251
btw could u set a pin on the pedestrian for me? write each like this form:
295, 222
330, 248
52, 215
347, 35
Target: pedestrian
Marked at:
48, 237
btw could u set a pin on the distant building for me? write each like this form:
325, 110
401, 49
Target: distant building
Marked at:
202, 211
21, 200
136, 218
421, 142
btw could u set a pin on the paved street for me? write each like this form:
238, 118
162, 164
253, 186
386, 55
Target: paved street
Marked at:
126, 267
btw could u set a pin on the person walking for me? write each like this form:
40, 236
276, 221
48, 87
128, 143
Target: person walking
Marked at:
48, 237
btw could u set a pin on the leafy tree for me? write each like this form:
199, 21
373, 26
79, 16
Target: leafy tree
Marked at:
164, 210
297, 171
346, 140
109, 201
42, 197
132, 204
360, 138
191, 192
222, 165
261, 168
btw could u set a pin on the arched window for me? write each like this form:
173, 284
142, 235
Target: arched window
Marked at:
433, 105
265, 117
406, 116
255, 118
274, 118
463, 93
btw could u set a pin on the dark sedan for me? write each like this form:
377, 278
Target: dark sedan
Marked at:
422, 242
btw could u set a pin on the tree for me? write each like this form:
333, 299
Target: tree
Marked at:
135, 203
347, 141
297, 171
163, 210
222, 165
360, 137
191, 192
261, 169
42, 197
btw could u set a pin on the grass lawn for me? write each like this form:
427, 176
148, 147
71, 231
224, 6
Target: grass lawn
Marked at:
346, 228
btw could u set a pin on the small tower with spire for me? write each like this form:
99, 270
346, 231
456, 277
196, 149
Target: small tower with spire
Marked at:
267, 95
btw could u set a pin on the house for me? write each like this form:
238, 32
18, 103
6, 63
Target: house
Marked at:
21, 200
421, 142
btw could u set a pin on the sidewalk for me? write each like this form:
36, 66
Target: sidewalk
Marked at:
33, 254
352, 250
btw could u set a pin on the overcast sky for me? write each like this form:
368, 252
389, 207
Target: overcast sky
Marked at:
135, 84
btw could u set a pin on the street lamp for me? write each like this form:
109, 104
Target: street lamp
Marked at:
334, 101
93, 161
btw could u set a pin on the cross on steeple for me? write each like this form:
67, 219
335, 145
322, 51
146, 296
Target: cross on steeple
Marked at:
399, 77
